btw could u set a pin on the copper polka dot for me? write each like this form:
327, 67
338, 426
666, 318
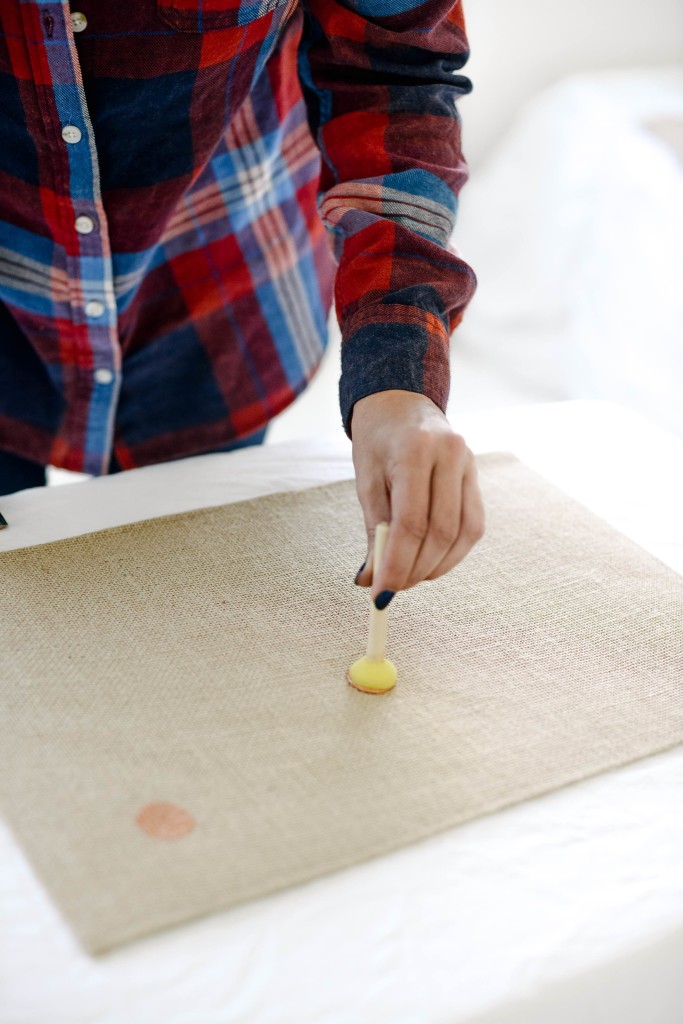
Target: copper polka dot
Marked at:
165, 821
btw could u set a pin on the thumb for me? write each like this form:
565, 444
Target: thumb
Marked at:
376, 509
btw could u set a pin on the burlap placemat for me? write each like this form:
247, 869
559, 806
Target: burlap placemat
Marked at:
177, 734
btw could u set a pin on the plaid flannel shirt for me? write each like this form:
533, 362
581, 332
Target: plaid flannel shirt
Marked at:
186, 186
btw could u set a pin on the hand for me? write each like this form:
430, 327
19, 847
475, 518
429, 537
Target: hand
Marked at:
417, 474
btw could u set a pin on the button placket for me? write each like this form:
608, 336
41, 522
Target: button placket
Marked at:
89, 264
72, 167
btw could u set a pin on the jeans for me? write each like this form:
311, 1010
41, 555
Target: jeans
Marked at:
16, 473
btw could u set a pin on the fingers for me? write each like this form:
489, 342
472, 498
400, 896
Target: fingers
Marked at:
471, 524
435, 514
374, 501
408, 520
445, 507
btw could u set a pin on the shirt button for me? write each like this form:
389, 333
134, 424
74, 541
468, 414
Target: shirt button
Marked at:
103, 375
78, 21
94, 307
84, 224
70, 133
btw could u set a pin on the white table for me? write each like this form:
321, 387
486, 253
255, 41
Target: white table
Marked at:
565, 908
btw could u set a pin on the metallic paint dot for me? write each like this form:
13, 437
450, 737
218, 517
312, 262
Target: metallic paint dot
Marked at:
165, 821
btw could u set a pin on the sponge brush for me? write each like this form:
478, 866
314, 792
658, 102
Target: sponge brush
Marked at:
374, 673
372, 676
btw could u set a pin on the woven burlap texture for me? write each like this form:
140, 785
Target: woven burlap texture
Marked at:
199, 659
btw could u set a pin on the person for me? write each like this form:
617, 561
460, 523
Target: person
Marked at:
186, 187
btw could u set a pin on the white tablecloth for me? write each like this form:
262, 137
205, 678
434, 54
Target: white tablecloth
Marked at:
568, 907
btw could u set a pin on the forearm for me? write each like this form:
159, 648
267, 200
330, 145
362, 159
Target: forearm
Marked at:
381, 93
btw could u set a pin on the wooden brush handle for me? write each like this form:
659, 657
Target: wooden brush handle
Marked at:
377, 630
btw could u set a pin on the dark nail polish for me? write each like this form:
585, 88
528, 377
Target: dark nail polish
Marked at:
355, 579
383, 599
3, 522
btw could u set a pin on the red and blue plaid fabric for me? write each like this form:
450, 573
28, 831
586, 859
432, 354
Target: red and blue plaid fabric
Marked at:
185, 188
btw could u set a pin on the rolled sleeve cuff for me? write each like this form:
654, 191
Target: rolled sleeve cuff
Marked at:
390, 346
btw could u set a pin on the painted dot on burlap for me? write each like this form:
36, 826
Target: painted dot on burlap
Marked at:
165, 821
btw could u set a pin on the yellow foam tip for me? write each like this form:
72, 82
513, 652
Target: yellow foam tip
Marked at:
370, 676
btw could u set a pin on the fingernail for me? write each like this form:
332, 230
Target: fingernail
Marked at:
355, 579
383, 599
3, 522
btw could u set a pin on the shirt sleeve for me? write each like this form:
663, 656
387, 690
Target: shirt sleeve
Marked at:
380, 86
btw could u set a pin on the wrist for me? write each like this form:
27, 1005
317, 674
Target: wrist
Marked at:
392, 401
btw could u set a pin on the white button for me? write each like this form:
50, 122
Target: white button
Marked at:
78, 21
94, 307
71, 133
103, 375
84, 224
